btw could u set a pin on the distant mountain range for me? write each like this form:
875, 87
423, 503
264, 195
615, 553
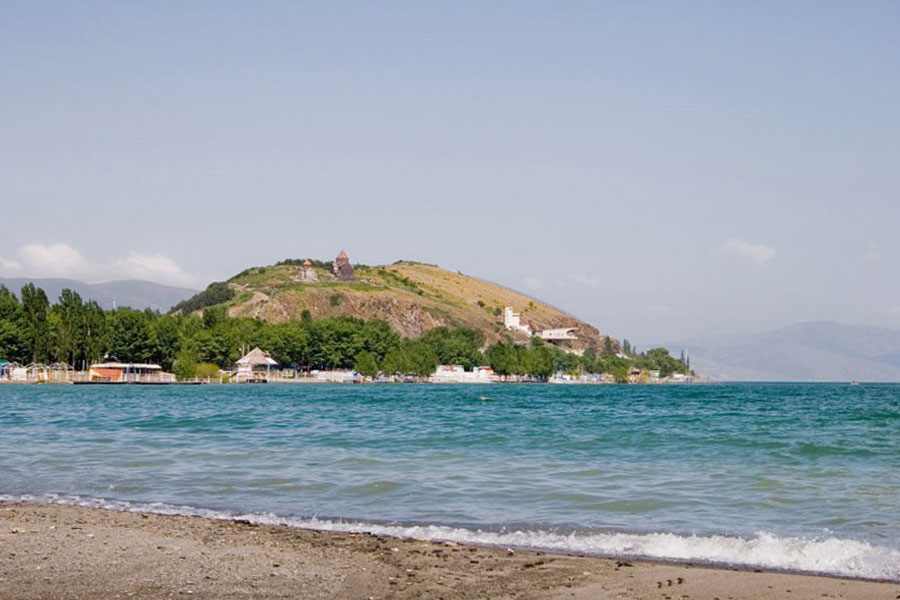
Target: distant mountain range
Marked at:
813, 351
132, 293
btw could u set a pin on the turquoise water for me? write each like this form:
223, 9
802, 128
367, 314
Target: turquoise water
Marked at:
786, 476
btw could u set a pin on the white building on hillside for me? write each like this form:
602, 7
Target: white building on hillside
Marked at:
561, 334
512, 321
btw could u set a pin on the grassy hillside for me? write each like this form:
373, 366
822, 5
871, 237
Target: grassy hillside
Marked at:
412, 297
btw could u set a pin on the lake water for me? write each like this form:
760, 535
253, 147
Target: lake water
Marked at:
792, 476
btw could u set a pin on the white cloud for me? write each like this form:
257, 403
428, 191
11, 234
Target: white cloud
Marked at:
757, 253
62, 260
154, 267
53, 260
8, 265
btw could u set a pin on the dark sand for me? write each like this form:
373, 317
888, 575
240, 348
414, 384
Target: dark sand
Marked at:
66, 552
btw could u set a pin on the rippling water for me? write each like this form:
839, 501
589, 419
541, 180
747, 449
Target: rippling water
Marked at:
792, 476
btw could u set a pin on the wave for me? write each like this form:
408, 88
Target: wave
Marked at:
824, 556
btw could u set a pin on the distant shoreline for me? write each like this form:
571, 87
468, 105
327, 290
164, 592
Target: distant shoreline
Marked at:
367, 384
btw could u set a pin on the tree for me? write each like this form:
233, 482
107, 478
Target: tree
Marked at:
503, 358
216, 293
609, 348
168, 340
619, 372
131, 339
659, 359
69, 331
34, 308
396, 362
94, 332
13, 344
540, 362
10, 309
455, 346
213, 316
185, 365
378, 338
422, 359
288, 343
365, 364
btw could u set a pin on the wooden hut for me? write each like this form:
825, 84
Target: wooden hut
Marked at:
255, 367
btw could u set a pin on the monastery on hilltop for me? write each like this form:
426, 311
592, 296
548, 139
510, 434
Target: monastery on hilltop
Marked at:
307, 273
341, 267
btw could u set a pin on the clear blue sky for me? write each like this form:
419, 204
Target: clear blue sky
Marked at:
660, 169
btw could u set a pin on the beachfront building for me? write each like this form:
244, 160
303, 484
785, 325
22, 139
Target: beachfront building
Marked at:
255, 366
341, 267
581, 378
457, 374
333, 376
307, 274
636, 375
513, 321
6, 369
117, 372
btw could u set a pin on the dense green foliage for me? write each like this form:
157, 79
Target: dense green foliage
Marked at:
78, 333
216, 293
541, 360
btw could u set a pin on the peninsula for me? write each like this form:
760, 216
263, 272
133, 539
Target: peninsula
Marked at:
314, 320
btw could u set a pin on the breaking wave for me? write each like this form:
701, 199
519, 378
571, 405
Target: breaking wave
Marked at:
825, 555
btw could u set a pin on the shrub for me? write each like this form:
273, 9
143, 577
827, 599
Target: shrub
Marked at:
206, 371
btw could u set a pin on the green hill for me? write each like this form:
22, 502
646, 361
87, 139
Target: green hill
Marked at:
412, 297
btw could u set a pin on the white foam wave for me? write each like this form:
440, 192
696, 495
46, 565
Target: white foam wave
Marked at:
831, 556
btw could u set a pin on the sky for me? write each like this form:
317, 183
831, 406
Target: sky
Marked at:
662, 170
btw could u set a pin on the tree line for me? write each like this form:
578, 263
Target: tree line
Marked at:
79, 332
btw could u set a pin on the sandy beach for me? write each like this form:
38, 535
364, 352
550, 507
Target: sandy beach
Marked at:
69, 552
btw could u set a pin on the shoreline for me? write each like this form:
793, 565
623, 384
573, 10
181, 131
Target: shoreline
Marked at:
69, 551
290, 382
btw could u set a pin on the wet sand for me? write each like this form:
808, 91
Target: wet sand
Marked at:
66, 552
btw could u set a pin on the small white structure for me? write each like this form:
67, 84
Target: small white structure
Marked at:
19, 375
561, 334
584, 378
333, 376
256, 365
512, 321
457, 374
306, 273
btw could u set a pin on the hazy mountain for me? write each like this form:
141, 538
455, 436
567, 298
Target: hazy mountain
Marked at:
133, 293
814, 351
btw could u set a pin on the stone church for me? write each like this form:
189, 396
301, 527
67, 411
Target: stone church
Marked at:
341, 267
307, 273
